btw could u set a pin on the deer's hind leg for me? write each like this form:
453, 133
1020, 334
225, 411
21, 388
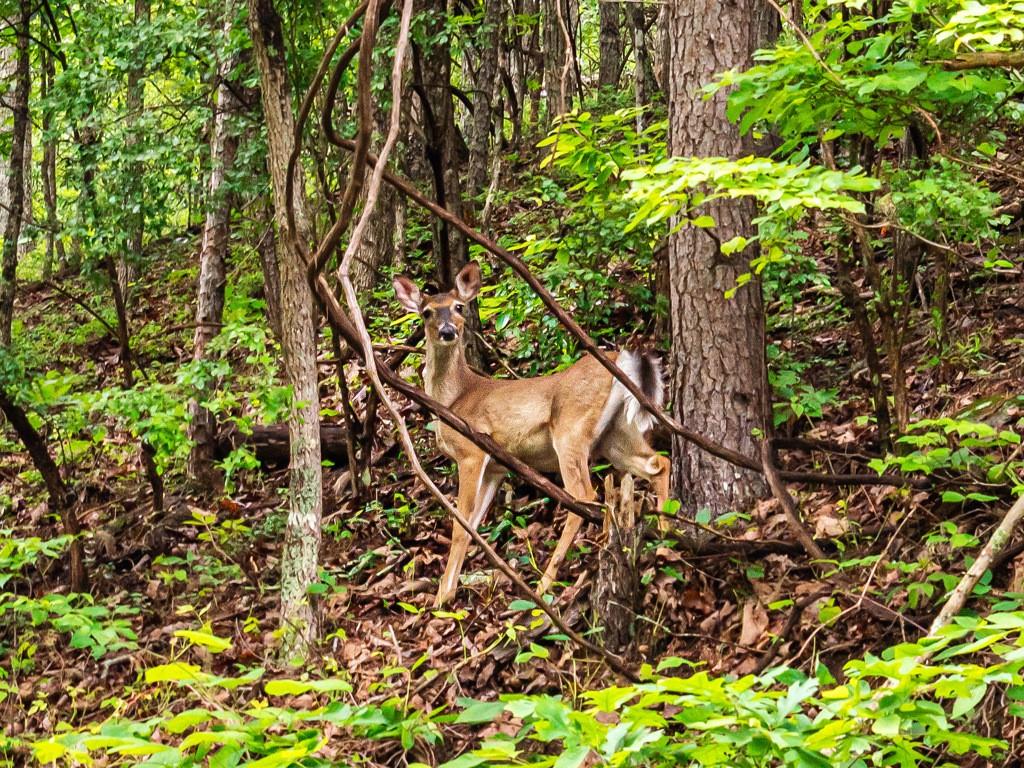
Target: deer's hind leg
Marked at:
574, 465
478, 482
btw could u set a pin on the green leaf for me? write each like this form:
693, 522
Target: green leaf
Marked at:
207, 640
283, 687
479, 711
175, 672
188, 719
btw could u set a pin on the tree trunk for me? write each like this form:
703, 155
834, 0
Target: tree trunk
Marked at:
16, 202
610, 41
380, 241
267, 249
61, 498
717, 343
442, 144
128, 262
54, 242
300, 558
212, 265
559, 58
643, 85
487, 88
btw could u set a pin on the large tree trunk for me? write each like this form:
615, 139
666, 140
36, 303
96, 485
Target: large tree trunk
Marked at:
717, 343
610, 42
300, 558
16, 202
212, 264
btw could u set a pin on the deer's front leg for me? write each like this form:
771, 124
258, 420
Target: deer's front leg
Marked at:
478, 482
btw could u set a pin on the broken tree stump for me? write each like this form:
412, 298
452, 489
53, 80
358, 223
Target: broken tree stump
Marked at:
617, 599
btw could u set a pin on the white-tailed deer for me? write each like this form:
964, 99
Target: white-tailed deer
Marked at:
559, 422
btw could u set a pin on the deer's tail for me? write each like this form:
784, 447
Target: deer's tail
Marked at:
644, 370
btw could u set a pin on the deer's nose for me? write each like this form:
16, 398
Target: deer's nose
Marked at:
447, 332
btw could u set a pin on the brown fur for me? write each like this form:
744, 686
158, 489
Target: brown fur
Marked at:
550, 422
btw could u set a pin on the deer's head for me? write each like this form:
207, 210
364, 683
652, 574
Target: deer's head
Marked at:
444, 314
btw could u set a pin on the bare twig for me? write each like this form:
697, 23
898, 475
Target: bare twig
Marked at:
1000, 536
788, 504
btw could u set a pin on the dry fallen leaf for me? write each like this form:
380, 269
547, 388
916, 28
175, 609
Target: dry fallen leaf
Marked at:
755, 622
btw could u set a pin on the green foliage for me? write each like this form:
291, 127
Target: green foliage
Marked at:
93, 627
794, 399
874, 77
892, 708
943, 202
984, 26
959, 446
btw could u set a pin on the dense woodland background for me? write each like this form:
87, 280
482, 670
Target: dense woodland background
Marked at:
214, 546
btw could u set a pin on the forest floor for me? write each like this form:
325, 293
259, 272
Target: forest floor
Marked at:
382, 558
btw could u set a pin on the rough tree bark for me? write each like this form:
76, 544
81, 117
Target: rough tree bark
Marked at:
610, 46
15, 203
486, 90
643, 72
380, 241
300, 557
266, 246
212, 263
717, 343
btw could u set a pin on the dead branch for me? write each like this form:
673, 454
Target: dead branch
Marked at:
788, 504
999, 538
985, 59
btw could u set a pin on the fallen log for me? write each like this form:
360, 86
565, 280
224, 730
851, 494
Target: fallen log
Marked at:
270, 444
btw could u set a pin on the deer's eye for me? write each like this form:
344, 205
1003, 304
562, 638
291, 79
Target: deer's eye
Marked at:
427, 313
460, 308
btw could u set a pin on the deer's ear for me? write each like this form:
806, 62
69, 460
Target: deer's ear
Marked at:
467, 282
407, 292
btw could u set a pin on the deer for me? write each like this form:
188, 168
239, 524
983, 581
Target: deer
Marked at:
562, 422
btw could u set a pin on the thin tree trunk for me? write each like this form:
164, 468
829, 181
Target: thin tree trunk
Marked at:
267, 249
212, 264
16, 202
441, 144
610, 42
54, 242
300, 558
559, 70
642, 89
717, 343
487, 88
128, 262
61, 498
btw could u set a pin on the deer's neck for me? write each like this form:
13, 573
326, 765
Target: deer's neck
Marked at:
446, 374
